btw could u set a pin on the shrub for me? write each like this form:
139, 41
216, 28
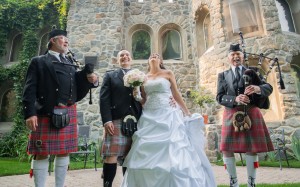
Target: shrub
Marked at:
271, 156
201, 97
296, 147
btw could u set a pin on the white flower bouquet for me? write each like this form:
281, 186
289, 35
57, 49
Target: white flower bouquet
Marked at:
134, 78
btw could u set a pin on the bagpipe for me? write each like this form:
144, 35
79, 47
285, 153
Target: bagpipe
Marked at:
271, 62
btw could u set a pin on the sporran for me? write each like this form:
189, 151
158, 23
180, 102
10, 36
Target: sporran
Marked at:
60, 118
241, 122
129, 125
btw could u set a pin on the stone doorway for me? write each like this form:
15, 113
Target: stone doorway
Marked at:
7, 107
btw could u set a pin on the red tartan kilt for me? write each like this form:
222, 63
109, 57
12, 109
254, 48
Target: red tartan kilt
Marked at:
54, 141
256, 140
116, 145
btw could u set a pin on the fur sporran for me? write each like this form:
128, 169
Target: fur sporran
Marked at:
60, 118
241, 122
129, 125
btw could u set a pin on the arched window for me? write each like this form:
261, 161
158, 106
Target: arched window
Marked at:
141, 45
43, 44
289, 12
203, 30
296, 75
242, 15
171, 46
295, 64
7, 106
16, 48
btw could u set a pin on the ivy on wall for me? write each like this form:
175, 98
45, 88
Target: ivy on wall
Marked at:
26, 17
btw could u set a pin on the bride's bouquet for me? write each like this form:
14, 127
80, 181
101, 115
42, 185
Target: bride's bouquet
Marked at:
134, 78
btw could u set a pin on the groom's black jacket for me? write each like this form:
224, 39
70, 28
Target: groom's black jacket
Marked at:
116, 100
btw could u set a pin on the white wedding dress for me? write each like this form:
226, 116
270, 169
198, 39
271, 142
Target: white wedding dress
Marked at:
165, 152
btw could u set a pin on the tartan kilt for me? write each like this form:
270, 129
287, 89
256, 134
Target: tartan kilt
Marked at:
255, 140
54, 141
116, 145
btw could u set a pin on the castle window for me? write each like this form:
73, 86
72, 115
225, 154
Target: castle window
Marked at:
289, 13
141, 45
203, 30
295, 64
296, 74
140, 41
242, 15
16, 48
43, 44
171, 46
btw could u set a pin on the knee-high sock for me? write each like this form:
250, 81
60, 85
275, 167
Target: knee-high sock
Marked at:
230, 167
60, 170
252, 164
109, 173
40, 171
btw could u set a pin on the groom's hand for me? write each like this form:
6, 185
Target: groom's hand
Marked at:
172, 102
109, 128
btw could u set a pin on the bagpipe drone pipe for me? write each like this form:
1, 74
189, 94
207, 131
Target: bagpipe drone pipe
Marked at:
270, 63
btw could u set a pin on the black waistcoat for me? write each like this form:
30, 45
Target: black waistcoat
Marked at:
67, 83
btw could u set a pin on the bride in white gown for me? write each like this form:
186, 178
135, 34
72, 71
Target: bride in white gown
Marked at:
162, 153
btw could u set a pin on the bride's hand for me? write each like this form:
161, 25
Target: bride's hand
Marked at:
135, 92
187, 113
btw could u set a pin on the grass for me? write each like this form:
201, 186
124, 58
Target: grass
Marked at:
269, 185
293, 163
12, 166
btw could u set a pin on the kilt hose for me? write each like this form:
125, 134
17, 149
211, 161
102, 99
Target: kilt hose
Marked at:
255, 140
48, 140
116, 145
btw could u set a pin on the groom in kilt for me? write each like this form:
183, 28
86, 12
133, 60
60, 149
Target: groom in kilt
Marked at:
250, 141
116, 101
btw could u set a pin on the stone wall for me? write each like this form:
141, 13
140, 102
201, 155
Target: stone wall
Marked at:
95, 29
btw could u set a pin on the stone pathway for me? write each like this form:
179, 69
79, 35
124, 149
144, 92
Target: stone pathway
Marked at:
92, 178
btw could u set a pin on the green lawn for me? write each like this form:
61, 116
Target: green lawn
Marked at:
12, 166
268, 185
293, 164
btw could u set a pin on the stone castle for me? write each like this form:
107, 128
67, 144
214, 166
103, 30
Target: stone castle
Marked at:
193, 36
